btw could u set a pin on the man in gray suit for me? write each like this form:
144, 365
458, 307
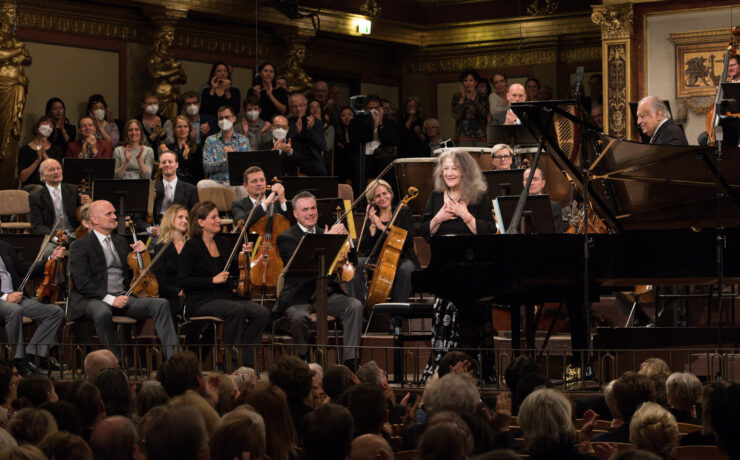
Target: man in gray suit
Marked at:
97, 293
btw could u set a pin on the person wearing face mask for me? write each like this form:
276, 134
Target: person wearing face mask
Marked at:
307, 136
88, 146
105, 128
64, 131
201, 124
284, 145
36, 151
251, 125
217, 147
153, 124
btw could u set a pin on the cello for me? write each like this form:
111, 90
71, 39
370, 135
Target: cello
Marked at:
144, 282
713, 115
49, 289
384, 270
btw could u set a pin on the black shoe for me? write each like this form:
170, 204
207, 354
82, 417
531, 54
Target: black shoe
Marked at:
55, 365
22, 367
40, 370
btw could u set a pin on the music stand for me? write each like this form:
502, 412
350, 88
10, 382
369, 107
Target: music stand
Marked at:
76, 169
327, 208
509, 134
319, 186
309, 260
268, 160
537, 216
25, 244
504, 182
129, 195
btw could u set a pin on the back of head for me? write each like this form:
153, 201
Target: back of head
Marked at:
34, 389
29, 425
545, 419
194, 400
326, 433
270, 402
630, 391
150, 394
443, 441
226, 392
114, 438
370, 372
451, 358
368, 406
706, 404
658, 371
725, 407
452, 392
241, 433
6, 439
682, 390
178, 433
180, 373
65, 414
25, 452
86, 398
337, 379
457, 420
530, 382
367, 446
293, 376
115, 391
654, 429
518, 368
65, 446
97, 361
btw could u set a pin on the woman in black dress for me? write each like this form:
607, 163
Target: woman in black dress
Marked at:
459, 205
206, 284
174, 230
219, 91
37, 150
64, 132
273, 100
189, 154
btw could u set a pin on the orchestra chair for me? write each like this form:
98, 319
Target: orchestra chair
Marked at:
214, 322
398, 312
14, 203
699, 453
686, 428
222, 197
619, 445
344, 191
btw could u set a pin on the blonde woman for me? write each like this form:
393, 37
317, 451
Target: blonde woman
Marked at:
502, 156
174, 229
134, 160
654, 429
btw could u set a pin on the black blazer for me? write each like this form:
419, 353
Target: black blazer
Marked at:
16, 266
87, 267
669, 134
499, 118
240, 209
42, 208
307, 146
297, 290
482, 211
557, 216
166, 270
185, 194
405, 221
197, 269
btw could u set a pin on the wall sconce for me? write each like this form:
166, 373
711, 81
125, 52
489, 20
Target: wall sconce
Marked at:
363, 26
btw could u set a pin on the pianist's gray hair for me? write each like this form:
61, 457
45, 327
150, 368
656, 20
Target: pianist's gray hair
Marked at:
473, 185
657, 105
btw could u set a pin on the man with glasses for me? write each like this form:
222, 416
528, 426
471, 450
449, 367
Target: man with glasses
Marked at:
218, 146
307, 137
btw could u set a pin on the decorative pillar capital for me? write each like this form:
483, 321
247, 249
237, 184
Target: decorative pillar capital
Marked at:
616, 21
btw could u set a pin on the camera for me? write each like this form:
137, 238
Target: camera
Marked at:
362, 126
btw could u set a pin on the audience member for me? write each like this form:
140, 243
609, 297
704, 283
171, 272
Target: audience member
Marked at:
497, 101
306, 135
115, 438
192, 399
368, 406
24, 452
597, 114
6, 439
318, 395
595, 90
658, 371
200, 125
86, 398
29, 425
181, 373
64, 131
65, 414
532, 88
35, 390
227, 393
273, 100
36, 151
447, 437
457, 362
65, 446
370, 447
281, 436
346, 149
294, 377
249, 123
105, 126
725, 407
630, 391
115, 391
151, 394
521, 366
134, 160
217, 147
177, 433
97, 361
317, 111
705, 436
188, 152
219, 91
431, 136
411, 142
654, 429
240, 434
545, 93
151, 122
88, 146
380, 152
337, 379
683, 390
326, 433
470, 111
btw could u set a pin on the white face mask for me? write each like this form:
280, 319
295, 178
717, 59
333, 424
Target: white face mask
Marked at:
192, 110
152, 109
45, 130
279, 133
99, 113
225, 124
252, 114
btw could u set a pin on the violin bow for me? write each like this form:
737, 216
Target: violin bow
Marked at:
47, 239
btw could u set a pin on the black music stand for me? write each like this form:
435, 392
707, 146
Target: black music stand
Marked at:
268, 160
130, 195
76, 169
504, 182
25, 244
509, 134
312, 259
536, 218
320, 186
327, 208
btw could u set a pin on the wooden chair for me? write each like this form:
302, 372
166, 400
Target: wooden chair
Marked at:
14, 203
699, 453
344, 191
619, 445
222, 197
686, 428
407, 455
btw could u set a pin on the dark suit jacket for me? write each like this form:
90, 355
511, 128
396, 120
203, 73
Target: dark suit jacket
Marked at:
42, 208
297, 290
557, 216
87, 267
240, 209
669, 134
197, 269
307, 146
16, 266
185, 194
499, 118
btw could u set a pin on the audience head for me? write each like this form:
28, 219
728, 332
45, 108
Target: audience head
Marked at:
595, 85
532, 87
516, 93
44, 126
469, 79
298, 104
227, 393
451, 358
86, 398
651, 111
531, 382
9, 379
150, 394
272, 404
29, 425
683, 389
337, 380
281, 82
545, 93
431, 128
226, 118
115, 391
65, 414
241, 433
293, 376
654, 429
86, 126
192, 399
182, 371
265, 73
346, 115
610, 400
315, 110
447, 437
725, 407
327, 432
115, 438
411, 107
658, 371
177, 433
453, 392
630, 391
521, 366
500, 83
456, 170
56, 109
203, 216
190, 103
369, 446
24, 452
65, 446
545, 420
320, 91
369, 407
35, 390
252, 108
597, 113
370, 372
220, 70
97, 361
706, 404
245, 375
96, 106
484, 87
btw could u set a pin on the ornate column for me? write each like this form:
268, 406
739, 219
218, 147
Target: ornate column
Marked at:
166, 72
13, 88
298, 79
617, 47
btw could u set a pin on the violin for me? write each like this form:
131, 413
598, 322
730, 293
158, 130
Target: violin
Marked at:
266, 265
83, 189
344, 269
243, 286
42, 249
49, 290
144, 282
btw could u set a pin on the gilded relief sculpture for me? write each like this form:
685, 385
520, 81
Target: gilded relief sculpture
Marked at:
13, 84
294, 73
165, 70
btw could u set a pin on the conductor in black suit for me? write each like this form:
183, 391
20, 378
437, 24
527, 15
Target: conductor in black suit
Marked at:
171, 190
97, 293
54, 200
297, 298
255, 184
655, 121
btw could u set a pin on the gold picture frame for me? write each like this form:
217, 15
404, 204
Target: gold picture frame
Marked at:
699, 61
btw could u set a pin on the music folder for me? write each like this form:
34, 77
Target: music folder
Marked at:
504, 182
76, 169
537, 216
509, 134
319, 186
268, 160
305, 260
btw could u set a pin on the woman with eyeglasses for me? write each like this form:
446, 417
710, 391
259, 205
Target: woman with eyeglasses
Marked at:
502, 156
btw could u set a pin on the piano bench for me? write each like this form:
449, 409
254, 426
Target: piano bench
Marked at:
397, 313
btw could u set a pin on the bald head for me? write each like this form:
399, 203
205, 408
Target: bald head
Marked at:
97, 361
516, 93
368, 446
50, 171
320, 91
115, 438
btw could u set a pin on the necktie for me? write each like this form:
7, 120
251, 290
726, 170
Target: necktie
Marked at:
110, 254
57, 203
167, 198
6, 282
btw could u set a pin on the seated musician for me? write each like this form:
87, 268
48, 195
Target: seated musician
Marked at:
171, 190
208, 291
502, 156
459, 205
297, 296
97, 294
537, 187
54, 201
255, 184
655, 121
733, 69
380, 212
89, 146
14, 305
516, 93
173, 230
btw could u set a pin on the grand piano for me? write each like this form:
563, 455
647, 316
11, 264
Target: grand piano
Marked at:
659, 202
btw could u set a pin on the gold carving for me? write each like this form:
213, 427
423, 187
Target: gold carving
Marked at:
550, 7
13, 83
164, 69
617, 88
370, 8
297, 77
615, 20
698, 105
